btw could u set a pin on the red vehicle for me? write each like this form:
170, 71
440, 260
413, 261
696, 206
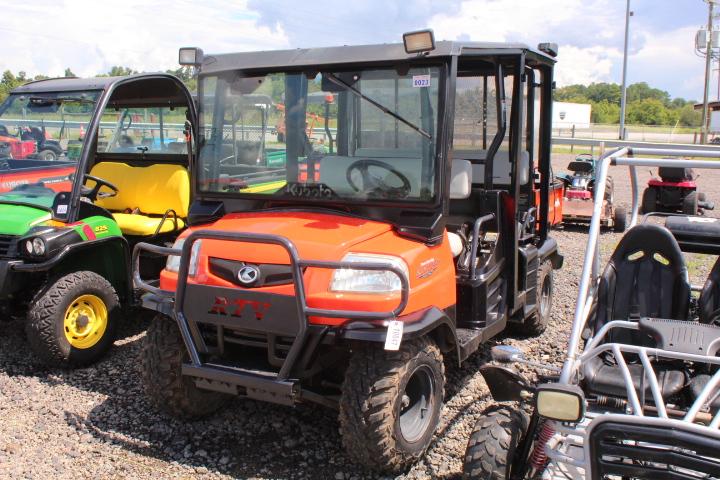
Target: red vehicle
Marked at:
675, 191
14, 147
51, 174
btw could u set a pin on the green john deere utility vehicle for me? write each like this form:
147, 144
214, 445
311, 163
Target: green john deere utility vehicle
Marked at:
65, 256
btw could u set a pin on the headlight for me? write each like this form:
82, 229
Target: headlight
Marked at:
368, 281
565, 403
173, 261
35, 246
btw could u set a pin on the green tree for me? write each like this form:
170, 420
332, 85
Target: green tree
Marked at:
605, 112
689, 117
648, 111
604, 92
118, 71
69, 73
643, 91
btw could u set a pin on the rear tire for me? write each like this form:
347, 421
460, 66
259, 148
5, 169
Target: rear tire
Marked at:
490, 452
536, 323
619, 219
163, 353
690, 204
390, 404
649, 200
48, 155
72, 321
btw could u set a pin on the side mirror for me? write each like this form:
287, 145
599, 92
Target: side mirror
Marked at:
506, 354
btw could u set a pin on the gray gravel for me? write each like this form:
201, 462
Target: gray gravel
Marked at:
95, 423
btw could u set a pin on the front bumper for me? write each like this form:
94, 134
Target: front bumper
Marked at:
276, 317
11, 281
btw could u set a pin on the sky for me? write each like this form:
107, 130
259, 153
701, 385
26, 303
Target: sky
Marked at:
89, 37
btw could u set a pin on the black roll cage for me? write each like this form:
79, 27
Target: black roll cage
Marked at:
104, 100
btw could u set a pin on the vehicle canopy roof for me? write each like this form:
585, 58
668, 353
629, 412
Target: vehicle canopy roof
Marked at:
337, 56
146, 89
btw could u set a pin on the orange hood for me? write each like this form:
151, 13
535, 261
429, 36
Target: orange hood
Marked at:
317, 236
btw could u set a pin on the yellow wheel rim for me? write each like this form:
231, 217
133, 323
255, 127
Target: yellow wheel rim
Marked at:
85, 321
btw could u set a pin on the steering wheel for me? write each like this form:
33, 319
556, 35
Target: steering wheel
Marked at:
94, 193
375, 184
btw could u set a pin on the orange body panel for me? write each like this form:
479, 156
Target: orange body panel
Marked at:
555, 202
329, 237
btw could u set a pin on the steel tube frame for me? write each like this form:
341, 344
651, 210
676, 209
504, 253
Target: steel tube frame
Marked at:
591, 265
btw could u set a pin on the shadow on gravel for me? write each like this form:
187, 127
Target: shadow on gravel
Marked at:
16, 358
247, 438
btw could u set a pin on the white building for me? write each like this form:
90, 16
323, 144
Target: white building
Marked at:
566, 114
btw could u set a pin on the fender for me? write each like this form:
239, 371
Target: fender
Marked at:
549, 248
505, 384
66, 252
431, 321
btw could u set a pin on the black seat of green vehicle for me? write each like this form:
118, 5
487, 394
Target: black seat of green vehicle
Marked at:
645, 277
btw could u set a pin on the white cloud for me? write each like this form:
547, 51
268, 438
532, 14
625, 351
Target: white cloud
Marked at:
590, 34
667, 59
90, 37
585, 65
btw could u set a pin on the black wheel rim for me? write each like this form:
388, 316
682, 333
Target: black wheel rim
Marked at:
417, 404
545, 296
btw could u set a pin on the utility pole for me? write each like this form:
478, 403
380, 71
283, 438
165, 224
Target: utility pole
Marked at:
623, 99
708, 59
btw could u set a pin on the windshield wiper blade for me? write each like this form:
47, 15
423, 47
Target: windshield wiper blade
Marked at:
341, 83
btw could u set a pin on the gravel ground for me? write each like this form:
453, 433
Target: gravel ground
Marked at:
95, 423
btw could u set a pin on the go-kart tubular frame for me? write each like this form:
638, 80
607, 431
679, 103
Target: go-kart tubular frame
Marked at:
573, 445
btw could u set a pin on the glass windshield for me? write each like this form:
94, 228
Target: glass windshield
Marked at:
45, 126
350, 135
151, 130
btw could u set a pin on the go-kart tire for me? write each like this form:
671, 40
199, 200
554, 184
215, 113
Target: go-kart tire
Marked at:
384, 395
72, 321
493, 443
619, 219
690, 204
649, 200
536, 323
161, 358
47, 154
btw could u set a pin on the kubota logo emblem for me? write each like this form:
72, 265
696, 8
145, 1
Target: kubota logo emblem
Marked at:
234, 308
248, 274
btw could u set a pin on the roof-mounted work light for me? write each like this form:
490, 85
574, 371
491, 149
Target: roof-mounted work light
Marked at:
190, 57
549, 48
419, 42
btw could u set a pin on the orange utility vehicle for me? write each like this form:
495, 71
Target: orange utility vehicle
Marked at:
348, 284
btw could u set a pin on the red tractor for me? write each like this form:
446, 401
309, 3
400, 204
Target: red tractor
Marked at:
675, 191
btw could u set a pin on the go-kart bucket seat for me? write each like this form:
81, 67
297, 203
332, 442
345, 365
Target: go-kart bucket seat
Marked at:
645, 277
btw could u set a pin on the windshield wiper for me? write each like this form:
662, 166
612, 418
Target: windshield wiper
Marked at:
341, 83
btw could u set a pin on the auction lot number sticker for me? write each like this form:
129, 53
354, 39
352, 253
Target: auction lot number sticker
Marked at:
421, 81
